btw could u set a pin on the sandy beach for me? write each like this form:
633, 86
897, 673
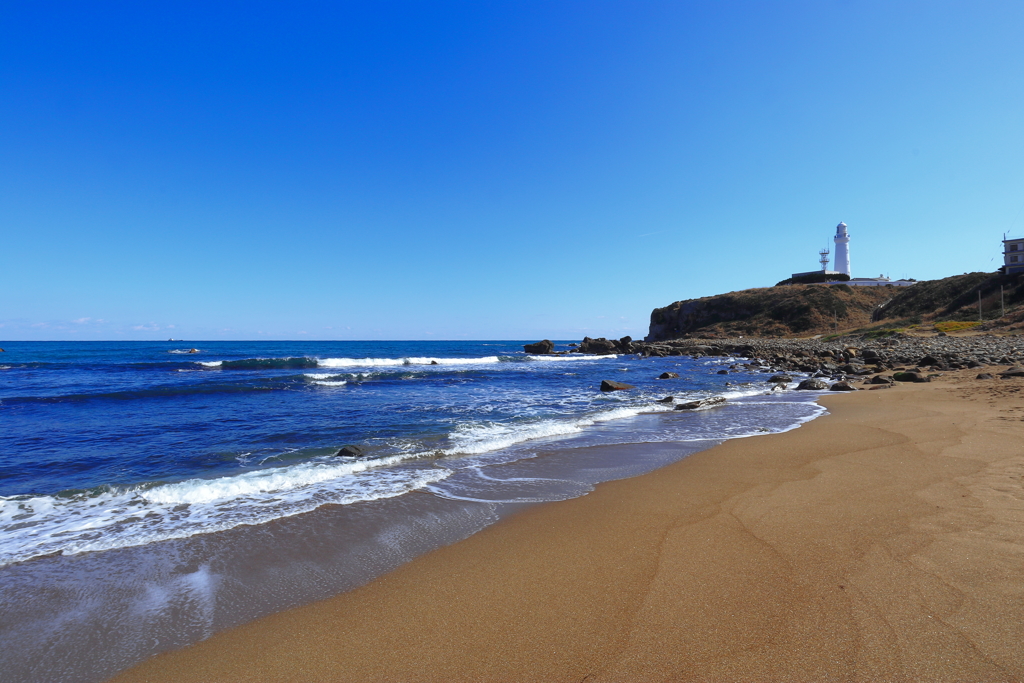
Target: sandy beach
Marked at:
884, 541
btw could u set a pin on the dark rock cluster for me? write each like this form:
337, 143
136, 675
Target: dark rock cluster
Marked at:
702, 403
597, 347
602, 346
540, 348
881, 362
850, 356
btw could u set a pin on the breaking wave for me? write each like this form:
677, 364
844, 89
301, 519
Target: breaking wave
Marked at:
34, 526
308, 362
385, 362
474, 439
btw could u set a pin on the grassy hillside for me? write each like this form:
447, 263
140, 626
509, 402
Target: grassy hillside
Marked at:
946, 305
946, 302
954, 298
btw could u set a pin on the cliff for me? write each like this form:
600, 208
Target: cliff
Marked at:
801, 310
769, 312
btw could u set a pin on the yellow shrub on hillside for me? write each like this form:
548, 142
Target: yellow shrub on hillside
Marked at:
951, 326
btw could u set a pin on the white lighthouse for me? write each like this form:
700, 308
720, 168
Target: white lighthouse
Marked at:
842, 241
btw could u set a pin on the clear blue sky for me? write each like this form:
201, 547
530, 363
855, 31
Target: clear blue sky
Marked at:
519, 170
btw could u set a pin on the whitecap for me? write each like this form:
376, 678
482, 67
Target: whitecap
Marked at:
574, 356
472, 439
384, 362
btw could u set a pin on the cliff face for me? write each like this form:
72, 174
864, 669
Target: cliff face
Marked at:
782, 311
770, 312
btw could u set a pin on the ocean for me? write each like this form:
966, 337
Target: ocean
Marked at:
153, 493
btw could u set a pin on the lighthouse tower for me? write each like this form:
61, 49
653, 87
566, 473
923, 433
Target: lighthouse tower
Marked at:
842, 241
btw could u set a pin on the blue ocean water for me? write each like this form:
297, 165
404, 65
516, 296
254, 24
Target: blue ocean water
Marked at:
130, 470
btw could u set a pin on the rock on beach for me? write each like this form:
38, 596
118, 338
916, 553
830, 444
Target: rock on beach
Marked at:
702, 403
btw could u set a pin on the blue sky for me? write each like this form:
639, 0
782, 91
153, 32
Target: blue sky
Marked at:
517, 170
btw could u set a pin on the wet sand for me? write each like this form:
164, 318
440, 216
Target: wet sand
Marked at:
884, 541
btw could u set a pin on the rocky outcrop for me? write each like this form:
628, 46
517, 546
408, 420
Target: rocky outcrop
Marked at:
840, 359
606, 347
541, 348
669, 375
768, 311
849, 356
351, 452
816, 308
812, 384
599, 346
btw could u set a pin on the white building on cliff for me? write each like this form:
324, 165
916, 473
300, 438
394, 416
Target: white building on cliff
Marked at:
842, 265
842, 240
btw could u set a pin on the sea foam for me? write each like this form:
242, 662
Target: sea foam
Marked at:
32, 526
573, 356
385, 362
472, 439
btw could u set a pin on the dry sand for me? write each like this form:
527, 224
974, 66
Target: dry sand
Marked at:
882, 542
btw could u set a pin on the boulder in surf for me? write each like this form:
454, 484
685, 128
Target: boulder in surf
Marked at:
611, 385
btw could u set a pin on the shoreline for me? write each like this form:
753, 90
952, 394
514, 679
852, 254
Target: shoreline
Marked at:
85, 616
881, 541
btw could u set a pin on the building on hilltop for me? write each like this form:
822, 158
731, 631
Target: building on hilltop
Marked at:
1013, 255
822, 275
841, 274
878, 281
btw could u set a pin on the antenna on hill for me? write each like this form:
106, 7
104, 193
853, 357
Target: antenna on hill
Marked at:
823, 259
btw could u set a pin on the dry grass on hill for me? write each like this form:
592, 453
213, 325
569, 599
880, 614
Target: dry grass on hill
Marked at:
770, 311
947, 305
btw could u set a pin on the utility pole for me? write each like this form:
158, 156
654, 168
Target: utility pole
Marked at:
979, 305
